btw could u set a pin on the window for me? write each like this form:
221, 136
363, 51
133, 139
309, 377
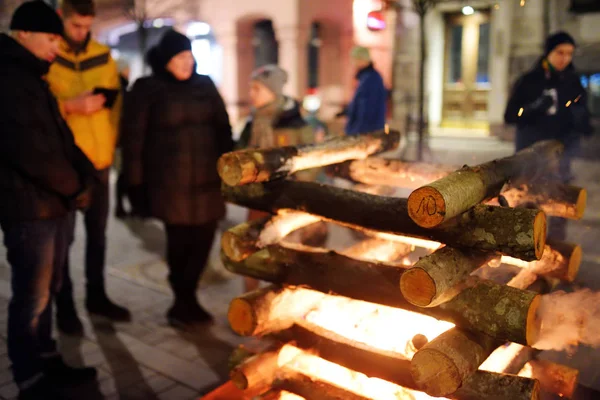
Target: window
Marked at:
483, 54
455, 66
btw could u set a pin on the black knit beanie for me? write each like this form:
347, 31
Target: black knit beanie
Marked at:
557, 39
36, 16
171, 44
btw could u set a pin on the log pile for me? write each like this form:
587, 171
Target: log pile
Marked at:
440, 321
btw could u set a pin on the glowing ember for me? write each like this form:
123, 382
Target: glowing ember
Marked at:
378, 250
501, 358
380, 327
352, 381
283, 224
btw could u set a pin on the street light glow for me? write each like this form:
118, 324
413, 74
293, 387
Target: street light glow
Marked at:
468, 10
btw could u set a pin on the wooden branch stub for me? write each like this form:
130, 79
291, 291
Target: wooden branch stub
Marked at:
448, 197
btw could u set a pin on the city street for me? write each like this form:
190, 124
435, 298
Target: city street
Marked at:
147, 359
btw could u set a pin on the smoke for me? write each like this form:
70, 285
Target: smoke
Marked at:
569, 319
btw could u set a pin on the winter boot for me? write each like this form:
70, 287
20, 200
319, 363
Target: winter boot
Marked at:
186, 312
97, 302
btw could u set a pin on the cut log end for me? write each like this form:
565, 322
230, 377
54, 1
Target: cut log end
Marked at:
534, 322
242, 317
574, 264
580, 204
233, 249
435, 373
539, 234
427, 207
418, 287
237, 169
239, 379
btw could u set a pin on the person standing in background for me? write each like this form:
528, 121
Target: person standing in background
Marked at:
85, 80
367, 110
44, 177
549, 102
174, 129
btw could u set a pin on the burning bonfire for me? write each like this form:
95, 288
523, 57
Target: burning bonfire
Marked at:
420, 308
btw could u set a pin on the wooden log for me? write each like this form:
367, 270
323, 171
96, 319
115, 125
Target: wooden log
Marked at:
261, 165
555, 199
483, 306
560, 260
380, 171
257, 372
245, 239
311, 388
268, 310
483, 385
449, 197
395, 368
434, 279
519, 233
554, 378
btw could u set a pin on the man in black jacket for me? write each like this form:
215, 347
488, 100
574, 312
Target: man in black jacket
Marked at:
43, 178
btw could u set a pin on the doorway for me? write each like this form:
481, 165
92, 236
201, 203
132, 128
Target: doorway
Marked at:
466, 71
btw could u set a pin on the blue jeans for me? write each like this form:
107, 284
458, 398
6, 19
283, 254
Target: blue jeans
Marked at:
36, 252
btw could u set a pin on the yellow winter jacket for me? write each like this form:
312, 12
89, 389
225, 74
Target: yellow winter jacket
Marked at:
73, 73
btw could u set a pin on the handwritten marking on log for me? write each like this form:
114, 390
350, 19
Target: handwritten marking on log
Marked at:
459, 191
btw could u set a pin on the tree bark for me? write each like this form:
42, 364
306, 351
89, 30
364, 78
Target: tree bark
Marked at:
435, 278
449, 197
261, 165
483, 306
555, 199
484, 385
519, 233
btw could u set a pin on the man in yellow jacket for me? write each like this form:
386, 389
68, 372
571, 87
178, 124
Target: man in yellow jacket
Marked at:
85, 80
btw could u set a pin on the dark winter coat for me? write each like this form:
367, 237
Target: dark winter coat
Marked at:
41, 169
173, 133
367, 110
571, 120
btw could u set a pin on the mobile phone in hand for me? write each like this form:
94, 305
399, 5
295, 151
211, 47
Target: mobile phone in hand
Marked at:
109, 94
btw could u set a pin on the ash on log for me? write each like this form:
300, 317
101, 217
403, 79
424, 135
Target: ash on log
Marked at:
449, 197
434, 278
261, 165
519, 233
555, 199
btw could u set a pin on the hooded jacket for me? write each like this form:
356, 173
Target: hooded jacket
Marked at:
367, 110
79, 70
41, 169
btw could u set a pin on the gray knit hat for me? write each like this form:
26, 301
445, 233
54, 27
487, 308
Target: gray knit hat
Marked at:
272, 76
361, 53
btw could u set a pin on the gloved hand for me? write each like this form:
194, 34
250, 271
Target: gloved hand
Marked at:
138, 198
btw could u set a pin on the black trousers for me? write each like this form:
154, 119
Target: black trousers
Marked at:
95, 220
188, 248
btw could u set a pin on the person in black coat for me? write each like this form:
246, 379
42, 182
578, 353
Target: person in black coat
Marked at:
549, 102
174, 129
44, 177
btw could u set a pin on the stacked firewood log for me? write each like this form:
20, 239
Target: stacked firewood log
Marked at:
467, 219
